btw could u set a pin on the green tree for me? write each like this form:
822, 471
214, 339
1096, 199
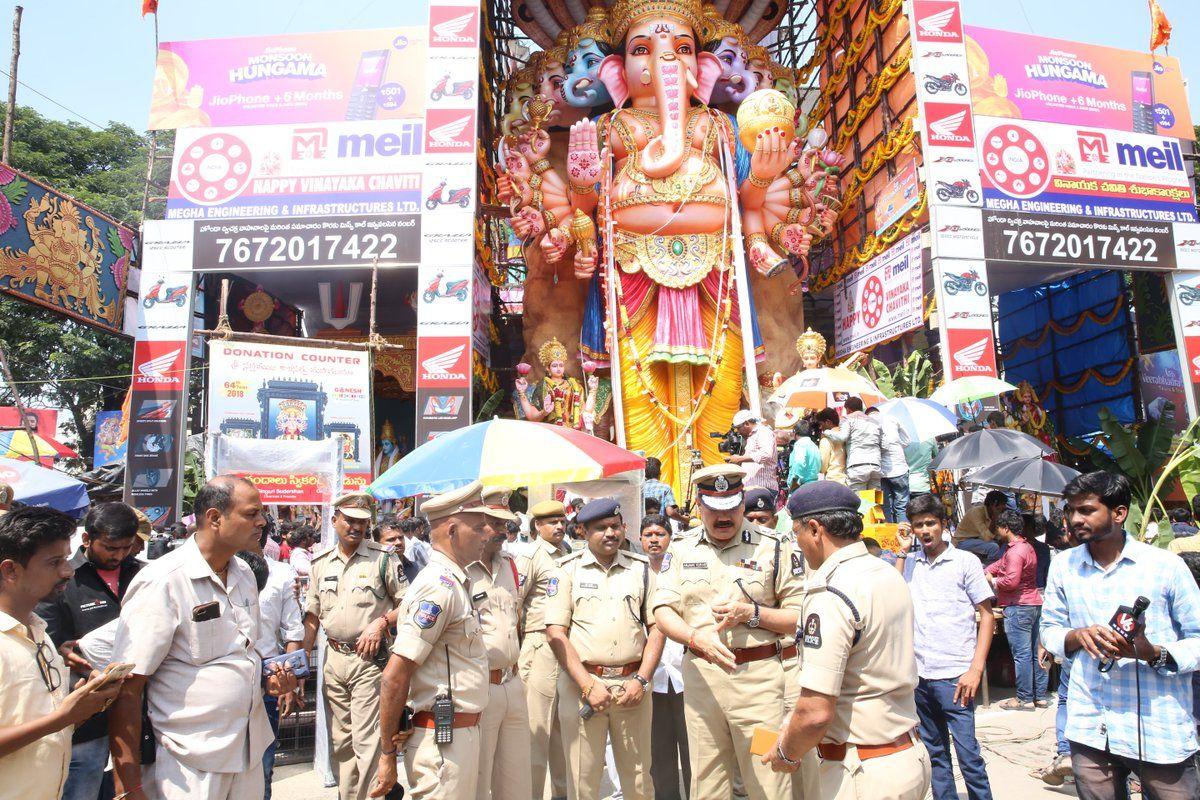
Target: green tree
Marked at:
57, 361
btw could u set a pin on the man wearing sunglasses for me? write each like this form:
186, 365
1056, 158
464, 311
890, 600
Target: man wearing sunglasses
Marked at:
37, 714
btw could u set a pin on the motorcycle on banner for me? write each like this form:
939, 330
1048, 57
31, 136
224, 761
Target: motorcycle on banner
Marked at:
946, 83
958, 189
967, 282
444, 88
1189, 294
456, 289
176, 295
461, 197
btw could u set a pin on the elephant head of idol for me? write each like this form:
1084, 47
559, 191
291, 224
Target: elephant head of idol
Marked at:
661, 69
727, 41
551, 83
517, 92
587, 47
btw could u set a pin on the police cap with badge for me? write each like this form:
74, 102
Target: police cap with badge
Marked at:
821, 497
719, 487
760, 500
467, 500
355, 505
598, 509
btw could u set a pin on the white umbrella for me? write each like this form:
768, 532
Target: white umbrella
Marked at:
964, 390
923, 419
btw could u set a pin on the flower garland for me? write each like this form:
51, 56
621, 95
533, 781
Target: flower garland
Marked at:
833, 16
483, 373
1038, 339
871, 246
888, 148
1088, 375
854, 53
885, 80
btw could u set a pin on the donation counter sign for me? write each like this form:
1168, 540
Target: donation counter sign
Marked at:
282, 393
309, 77
1028, 77
880, 301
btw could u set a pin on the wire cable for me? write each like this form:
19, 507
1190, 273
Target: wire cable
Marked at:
45, 96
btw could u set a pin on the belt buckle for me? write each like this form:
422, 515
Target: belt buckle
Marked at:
506, 673
610, 672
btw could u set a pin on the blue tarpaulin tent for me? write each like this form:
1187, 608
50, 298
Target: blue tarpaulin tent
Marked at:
34, 485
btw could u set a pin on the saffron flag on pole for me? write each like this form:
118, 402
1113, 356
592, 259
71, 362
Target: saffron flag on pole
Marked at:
151, 7
1160, 27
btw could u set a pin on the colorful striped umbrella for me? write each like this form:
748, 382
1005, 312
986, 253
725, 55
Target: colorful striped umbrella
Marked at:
504, 452
923, 419
16, 444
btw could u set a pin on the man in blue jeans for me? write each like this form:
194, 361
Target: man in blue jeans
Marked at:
948, 589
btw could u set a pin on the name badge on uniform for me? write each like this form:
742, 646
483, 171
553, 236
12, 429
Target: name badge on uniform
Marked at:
746, 537
695, 565
812, 631
478, 597
329, 578
797, 565
589, 586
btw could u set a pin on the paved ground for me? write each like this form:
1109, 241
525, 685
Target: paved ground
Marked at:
1014, 742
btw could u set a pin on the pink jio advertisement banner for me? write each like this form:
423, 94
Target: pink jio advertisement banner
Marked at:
1022, 76
295, 78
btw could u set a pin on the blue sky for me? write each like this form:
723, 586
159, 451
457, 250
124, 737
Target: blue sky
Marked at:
96, 57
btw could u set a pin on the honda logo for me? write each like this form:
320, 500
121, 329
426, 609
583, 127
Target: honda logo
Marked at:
938, 21
949, 124
450, 364
968, 357
159, 365
453, 26
450, 131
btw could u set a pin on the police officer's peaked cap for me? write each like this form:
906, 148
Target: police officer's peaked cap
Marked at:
356, 505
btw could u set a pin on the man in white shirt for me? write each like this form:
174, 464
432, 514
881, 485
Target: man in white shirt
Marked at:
189, 624
668, 740
281, 630
893, 466
760, 459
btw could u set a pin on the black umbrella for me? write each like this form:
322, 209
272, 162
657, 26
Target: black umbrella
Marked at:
987, 447
1026, 475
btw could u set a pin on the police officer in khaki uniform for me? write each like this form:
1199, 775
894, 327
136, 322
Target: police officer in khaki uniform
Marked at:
439, 662
538, 666
504, 727
858, 676
730, 591
760, 509
601, 627
354, 593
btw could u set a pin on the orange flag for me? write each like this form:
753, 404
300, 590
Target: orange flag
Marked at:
1160, 27
151, 7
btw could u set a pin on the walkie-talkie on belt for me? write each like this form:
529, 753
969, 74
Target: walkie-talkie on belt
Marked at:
443, 710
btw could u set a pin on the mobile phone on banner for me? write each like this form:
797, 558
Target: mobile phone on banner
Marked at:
1143, 103
372, 64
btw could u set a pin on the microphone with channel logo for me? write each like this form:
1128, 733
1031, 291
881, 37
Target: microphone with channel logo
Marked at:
1128, 623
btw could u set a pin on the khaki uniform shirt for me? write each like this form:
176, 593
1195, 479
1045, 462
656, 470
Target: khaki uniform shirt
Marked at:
38, 770
204, 689
439, 630
347, 594
873, 679
606, 610
497, 596
756, 565
536, 572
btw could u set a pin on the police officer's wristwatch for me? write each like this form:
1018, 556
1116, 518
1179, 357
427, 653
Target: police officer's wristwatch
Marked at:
754, 620
637, 676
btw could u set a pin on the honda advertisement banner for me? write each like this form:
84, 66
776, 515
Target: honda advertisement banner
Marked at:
158, 395
284, 393
1185, 301
944, 100
881, 300
1025, 77
965, 306
1045, 168
289, 78
445, 303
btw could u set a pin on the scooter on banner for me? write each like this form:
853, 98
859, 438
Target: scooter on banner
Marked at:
967, 282
946, 83
455, 289
953, 191
462, 197
177, 295
444, 88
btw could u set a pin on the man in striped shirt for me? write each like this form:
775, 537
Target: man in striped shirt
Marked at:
761, 457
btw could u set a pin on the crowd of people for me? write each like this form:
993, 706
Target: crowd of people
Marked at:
740, 647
